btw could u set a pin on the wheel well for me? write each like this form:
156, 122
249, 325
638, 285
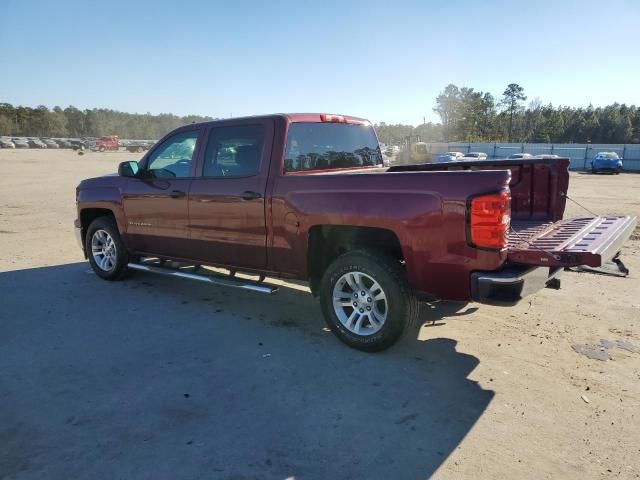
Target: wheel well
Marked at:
88, 215
327, 242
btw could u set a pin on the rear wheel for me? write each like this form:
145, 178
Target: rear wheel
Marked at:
107, 254
366, 300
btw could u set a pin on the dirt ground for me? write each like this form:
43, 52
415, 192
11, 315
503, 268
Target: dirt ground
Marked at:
164, 379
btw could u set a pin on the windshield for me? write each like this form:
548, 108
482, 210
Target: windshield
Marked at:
322, 146
611, 156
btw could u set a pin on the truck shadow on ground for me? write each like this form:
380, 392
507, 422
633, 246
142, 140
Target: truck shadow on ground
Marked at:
158, 378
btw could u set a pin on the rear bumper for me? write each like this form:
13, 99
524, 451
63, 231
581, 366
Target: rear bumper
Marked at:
606, 168
509, 286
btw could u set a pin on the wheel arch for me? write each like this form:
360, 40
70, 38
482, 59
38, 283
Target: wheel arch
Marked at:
328, 242
88, 215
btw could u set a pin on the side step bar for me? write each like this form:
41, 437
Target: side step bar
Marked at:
207, 278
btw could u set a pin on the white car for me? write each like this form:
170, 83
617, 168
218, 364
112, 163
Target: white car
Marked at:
475, 156
518, 156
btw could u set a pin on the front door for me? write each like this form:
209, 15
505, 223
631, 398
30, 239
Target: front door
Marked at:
226, 204
156, 204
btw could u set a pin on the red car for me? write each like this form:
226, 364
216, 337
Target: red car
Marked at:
306, 196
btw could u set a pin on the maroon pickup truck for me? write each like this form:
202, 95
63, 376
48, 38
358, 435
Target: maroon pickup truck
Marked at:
306, 196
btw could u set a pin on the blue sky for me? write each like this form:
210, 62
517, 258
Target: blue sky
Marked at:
385, 61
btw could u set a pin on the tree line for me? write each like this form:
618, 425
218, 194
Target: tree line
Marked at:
468, 115
72, 122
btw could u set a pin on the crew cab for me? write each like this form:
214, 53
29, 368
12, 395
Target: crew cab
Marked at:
307, 197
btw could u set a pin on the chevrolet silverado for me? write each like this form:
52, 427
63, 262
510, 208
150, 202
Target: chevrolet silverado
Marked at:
306, 196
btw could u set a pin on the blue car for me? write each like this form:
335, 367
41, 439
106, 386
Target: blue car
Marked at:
606, 162
449, 157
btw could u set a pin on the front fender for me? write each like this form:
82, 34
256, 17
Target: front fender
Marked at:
104, 198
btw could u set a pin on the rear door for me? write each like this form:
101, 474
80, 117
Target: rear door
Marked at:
227, 200
591, 241
156, 205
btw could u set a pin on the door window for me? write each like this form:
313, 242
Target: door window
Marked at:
234, 151
173, 158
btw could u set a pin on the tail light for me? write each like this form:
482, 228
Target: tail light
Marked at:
489, 220
325, 117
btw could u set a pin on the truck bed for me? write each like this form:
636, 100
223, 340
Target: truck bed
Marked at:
538, 234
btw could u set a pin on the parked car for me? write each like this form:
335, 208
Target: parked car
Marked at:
20, 142
77, 144
474, 156
547, 156
36, 143
63, 143
50, 143
606, 162
138, 146
449, 157
515, 156
89, 142
6, 143
370, 240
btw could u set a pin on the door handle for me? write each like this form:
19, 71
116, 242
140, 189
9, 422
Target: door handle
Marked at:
177, 194
249, 195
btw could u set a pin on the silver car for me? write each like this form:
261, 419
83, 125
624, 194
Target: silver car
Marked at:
475, 156
36, 143
20, 142
6, 143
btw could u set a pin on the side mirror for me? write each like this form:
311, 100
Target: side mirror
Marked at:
128, 169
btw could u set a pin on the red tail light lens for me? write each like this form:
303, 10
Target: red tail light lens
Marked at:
489, 220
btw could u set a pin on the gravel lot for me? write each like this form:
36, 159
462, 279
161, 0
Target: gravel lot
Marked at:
166, 379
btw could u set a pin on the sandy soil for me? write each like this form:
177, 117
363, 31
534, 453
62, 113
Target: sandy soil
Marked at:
157, 378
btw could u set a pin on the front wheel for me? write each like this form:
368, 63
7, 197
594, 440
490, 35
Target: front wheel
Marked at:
366, 300
107, 254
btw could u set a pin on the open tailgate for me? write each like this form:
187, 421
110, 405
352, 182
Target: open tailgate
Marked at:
591, 241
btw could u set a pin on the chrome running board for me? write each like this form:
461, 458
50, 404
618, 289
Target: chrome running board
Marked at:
207, 278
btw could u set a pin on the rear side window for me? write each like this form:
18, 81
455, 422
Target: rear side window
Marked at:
321, 146
234, 151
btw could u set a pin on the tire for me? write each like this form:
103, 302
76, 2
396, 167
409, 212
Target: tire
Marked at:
385, 319
594, 171
101, 149
115, 267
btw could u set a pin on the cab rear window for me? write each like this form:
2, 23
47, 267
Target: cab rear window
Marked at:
323, 146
